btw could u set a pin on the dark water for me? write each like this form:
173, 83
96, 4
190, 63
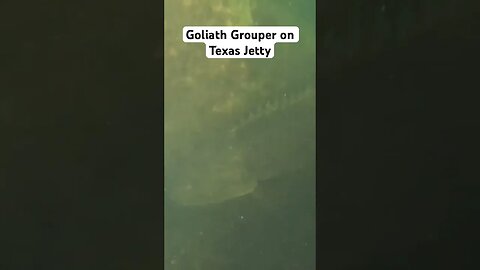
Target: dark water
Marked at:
398, 145
80, 180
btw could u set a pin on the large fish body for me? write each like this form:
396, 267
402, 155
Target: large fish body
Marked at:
229, 123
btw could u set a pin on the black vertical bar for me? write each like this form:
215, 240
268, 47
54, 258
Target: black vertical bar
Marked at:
81, 126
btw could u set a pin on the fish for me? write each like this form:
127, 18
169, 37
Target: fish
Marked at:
230, 123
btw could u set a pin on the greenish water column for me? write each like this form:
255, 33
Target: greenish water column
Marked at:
239, 143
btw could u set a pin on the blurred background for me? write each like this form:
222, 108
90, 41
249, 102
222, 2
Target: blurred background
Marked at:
80, 135
398, 120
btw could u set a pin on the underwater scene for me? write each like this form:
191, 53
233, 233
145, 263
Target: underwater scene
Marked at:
239, 142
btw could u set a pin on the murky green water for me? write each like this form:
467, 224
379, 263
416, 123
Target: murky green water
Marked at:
239, 143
